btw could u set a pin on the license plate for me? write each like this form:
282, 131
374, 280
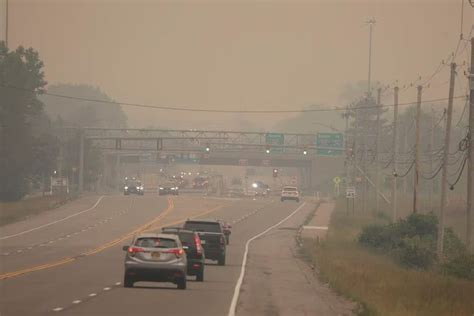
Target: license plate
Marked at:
203, 242
155, 255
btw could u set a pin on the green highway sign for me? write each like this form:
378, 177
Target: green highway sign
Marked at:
330, 144
277, 139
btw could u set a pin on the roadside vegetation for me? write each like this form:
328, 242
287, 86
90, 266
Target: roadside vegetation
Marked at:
19, 210
391, 269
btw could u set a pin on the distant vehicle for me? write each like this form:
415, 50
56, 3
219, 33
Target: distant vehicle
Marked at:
260, 188
213, 238
226, 227
133, 187
194, 251
290, 193
170, 188
156, 258
200, 183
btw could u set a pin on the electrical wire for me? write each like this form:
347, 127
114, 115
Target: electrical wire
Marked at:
183, 109
459, 175
408, 171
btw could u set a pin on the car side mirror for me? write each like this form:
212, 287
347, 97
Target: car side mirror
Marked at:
124, 248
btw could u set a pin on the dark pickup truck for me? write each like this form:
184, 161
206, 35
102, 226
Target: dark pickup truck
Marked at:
212, 235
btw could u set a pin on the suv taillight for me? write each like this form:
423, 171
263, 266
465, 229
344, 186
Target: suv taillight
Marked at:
178, 252
134, 250
197, 241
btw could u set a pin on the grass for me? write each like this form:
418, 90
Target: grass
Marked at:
379, 284
11, 212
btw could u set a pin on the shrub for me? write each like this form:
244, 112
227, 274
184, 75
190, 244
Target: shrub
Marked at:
416, 252
461, 266
412, 242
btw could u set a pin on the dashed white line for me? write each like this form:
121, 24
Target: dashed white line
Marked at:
106, 288
118, 283
54, 222
57, 309
92, 294
76, 301
19, 250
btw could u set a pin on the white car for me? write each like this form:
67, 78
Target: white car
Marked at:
290, 193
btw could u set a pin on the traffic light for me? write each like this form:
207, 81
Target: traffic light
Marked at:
275, 173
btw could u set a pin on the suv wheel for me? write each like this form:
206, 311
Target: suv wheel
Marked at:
221, 261
182, 283
200, 275
127, 281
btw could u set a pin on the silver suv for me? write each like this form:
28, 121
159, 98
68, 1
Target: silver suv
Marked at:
156, 258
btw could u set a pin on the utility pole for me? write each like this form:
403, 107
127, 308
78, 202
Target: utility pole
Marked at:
395, 152
81, 160
444, 175
431, 147
470, 155
417, 150
377, 146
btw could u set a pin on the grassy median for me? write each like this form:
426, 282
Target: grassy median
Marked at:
15, 211
380, 285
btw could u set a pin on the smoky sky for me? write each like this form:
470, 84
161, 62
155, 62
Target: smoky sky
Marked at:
238, 54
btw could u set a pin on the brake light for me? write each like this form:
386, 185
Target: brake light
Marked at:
134, 250
178, 252
197, 241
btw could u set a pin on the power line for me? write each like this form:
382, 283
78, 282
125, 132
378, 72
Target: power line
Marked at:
169, 108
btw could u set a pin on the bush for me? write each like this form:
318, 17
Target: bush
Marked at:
461, 266
416, 252
412, 242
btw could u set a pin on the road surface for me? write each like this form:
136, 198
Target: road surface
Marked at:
69, 261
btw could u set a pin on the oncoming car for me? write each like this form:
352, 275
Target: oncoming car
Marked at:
156, 258
290, 193
170, 188
133, 187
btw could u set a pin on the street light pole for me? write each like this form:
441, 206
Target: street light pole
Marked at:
371, 23
6, 23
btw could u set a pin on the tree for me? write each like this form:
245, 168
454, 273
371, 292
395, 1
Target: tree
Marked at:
21, 81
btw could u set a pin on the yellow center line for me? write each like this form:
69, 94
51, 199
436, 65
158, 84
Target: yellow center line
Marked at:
90, 252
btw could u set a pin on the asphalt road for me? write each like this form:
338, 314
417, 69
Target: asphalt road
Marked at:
69, 261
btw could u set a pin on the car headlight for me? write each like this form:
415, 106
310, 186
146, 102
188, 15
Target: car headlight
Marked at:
161, 188
173, 188
126, 188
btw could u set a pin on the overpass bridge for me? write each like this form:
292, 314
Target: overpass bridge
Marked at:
206, 147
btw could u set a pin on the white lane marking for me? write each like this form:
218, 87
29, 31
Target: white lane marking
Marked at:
106, 288
316, 227
54, 222
235, 297
6, 253
118, 283
92, 294
19, 250
76, 301
57, 309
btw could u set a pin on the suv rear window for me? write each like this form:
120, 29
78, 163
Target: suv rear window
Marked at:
203, 226
155, 242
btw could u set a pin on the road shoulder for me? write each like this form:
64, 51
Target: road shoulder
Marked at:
279, 282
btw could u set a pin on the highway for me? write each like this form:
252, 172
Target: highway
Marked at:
69, 261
